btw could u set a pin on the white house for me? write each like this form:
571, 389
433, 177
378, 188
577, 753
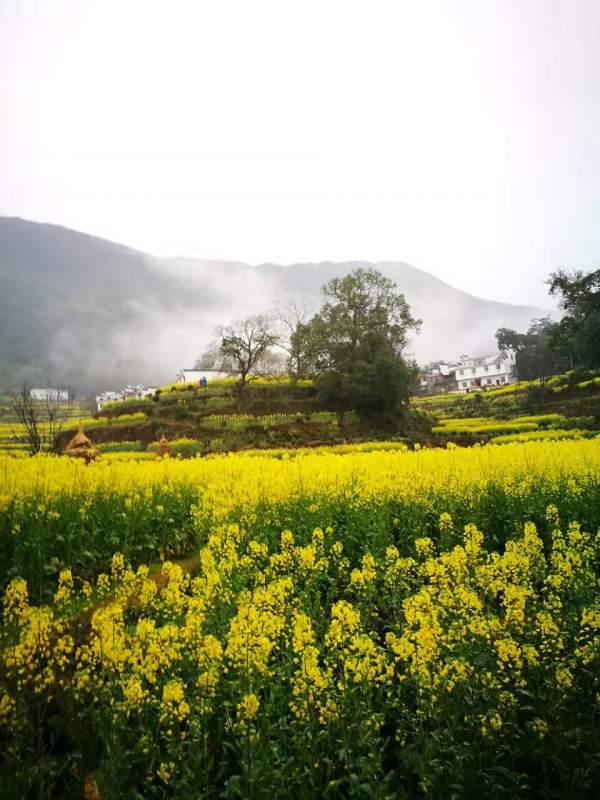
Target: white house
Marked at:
485, 371
138, 391
49, 395
106, 397
438, 377
196, 375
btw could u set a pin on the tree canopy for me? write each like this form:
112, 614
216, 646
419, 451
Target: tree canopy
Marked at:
537, 356
579, 329
354, 344
245, 346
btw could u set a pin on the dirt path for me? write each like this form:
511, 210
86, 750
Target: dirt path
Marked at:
190, 564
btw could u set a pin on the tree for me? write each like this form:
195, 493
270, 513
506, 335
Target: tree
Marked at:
42, 420
210, 358
537, 356
354, 345
245, 347
292, 317
579, 329
579, 292
26, 413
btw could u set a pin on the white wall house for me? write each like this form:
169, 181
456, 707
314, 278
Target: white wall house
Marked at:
138, 391
195, 375
485, 372
49, 395
106, 397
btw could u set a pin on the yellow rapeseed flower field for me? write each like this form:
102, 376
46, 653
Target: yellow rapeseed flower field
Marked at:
384, 623
231, 480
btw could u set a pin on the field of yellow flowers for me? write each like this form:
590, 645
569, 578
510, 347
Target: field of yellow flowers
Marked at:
371, 623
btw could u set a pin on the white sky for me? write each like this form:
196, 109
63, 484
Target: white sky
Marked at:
462, 137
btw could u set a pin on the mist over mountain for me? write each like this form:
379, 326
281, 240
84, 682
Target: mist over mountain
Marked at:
89, 313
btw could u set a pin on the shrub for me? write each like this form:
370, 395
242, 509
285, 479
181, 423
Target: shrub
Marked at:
119, 447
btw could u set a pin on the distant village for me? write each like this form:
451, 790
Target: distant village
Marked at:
466, 375
201, 377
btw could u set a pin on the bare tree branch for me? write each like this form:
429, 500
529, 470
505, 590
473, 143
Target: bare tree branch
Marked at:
291, 316
56, 415
245, 345
26, 412
42, 420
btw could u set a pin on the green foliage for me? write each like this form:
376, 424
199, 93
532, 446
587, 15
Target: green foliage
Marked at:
119, 447
99, 422
549, 347
522, 427
488, 678
239, 422
354, 345
548, 433
39, 537
490, 427
537, 356
579, 329
186, 448
117, 408
508, 398
183, 447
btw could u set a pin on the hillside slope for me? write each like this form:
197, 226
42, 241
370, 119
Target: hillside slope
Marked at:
85, 311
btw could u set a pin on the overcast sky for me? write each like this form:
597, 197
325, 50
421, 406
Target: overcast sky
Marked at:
462, 136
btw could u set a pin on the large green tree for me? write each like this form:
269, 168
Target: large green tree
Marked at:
354, 345
537, 355
579, 330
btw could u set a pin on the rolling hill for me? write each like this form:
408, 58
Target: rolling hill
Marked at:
84, 311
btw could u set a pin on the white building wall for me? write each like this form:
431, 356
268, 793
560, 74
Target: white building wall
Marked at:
50, 395
106, 397
125, 394
194, 375
485, 373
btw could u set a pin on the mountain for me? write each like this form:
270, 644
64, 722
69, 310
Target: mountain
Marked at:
88, 313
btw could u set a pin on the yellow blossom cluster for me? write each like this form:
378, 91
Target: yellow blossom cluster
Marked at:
232, 480
309, 641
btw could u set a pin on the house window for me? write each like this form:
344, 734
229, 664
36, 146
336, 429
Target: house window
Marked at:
487, 369
460, 372
472, 372
489, 380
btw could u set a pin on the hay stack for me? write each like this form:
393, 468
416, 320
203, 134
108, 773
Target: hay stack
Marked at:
81, 447
164, 448
79, 440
